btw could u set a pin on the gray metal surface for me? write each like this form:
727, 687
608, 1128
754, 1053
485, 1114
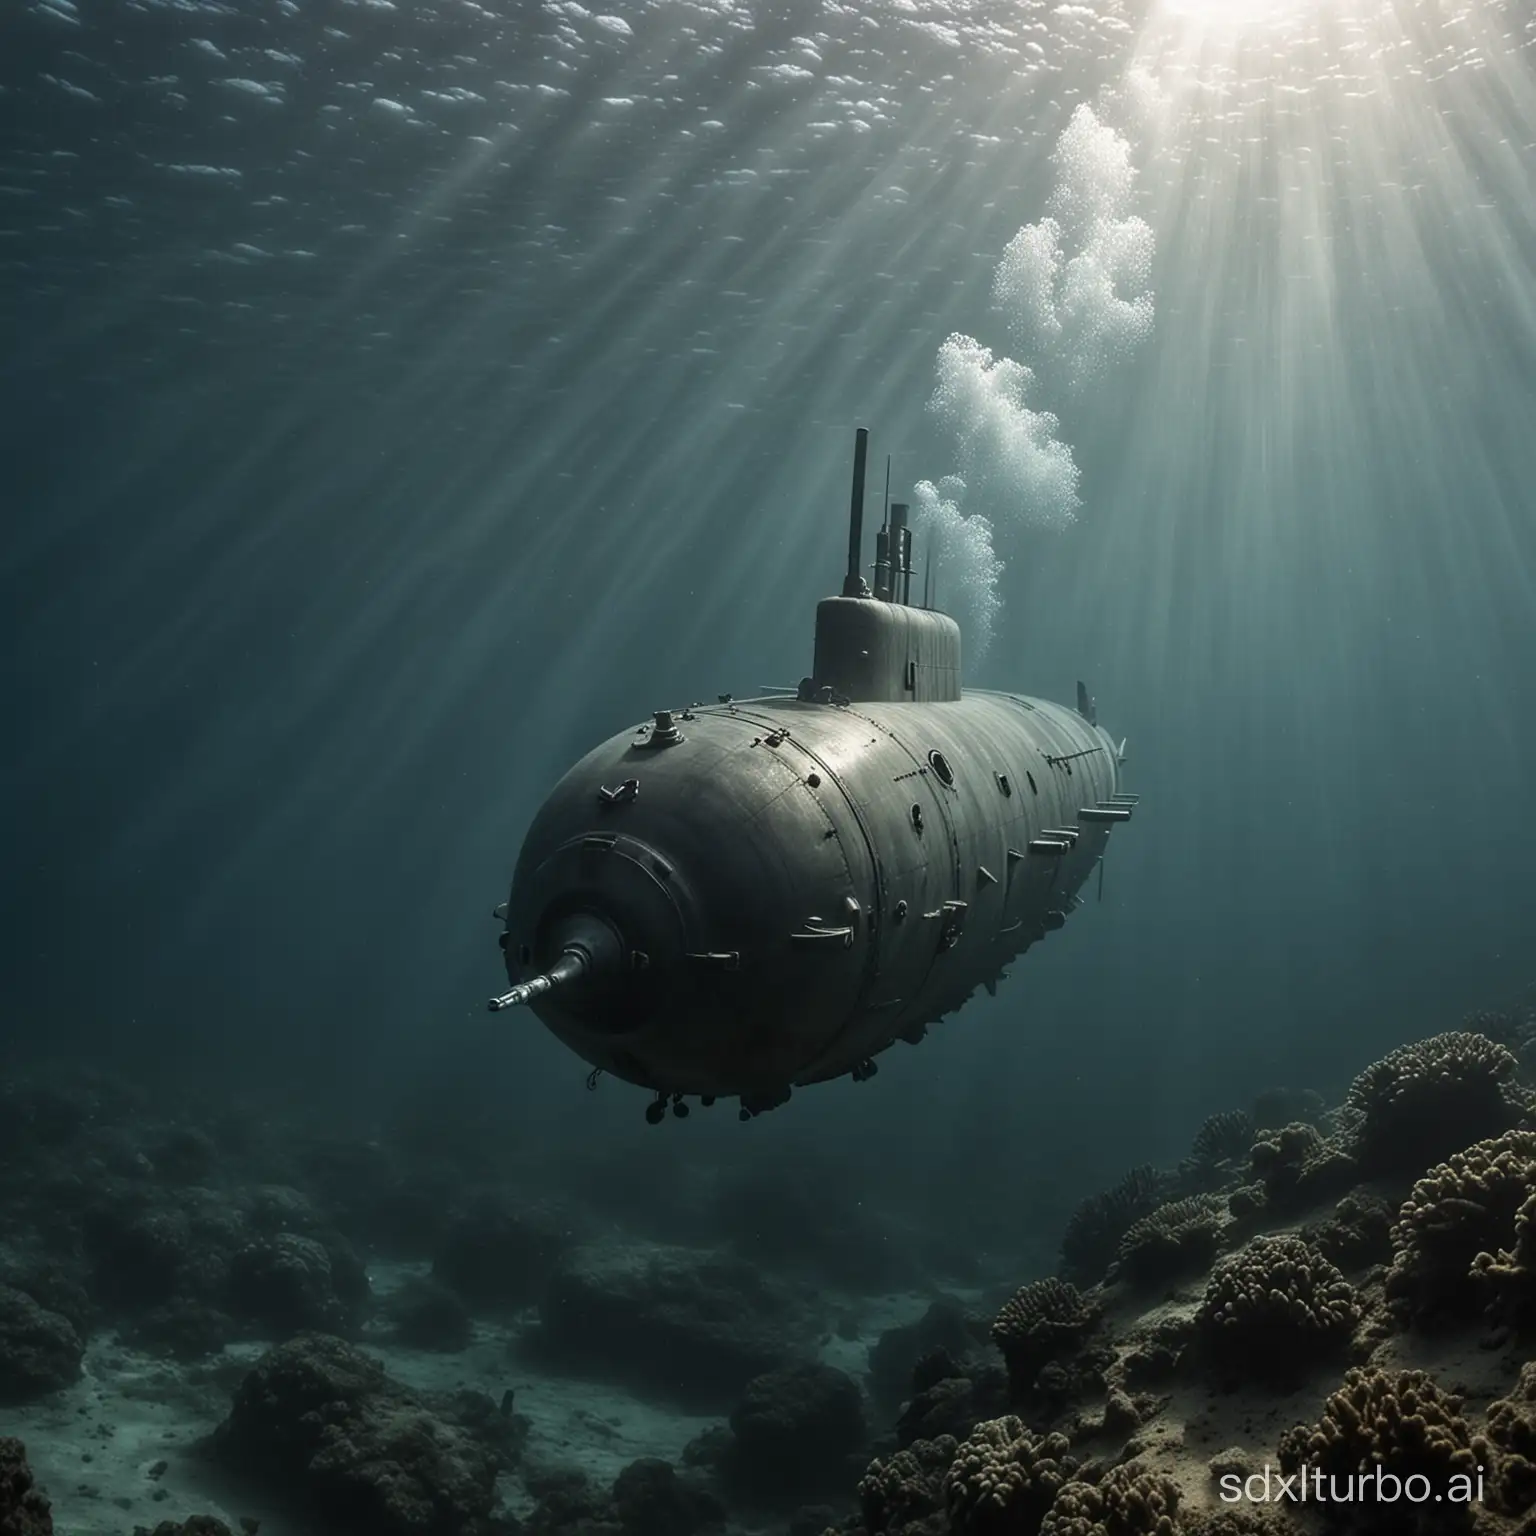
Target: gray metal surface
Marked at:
743, 898
798, 886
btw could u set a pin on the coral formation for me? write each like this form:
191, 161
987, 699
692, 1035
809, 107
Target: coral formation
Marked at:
1358, 1234
1218, 1152
1422, 1102
1179, 1238
1127, 1501
1274, 1304
907, 1489
1511, 1428
1003, 1479
1040, 1323
371, 1456
1458, 1210
1393, 1423
1507, 1278
1297, 1166
1095, 1228
39, 1350
23, 1509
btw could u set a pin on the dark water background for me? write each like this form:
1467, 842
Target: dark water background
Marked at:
358, 481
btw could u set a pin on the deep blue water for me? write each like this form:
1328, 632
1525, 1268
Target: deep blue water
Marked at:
397, 401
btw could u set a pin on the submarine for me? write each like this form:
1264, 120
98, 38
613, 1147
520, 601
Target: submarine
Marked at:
738, 899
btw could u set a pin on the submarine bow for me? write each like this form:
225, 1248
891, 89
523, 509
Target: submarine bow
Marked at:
742, 898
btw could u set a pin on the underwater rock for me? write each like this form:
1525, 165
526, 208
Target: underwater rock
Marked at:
183, 1154
671, 1322
370, 1455
39, 1350
429, 1315
795, 1430
194, 1525
286, 1285
24, 1511
498, 1253
185, 1329
953, 1405
650, 1499
944, 1326
54, 1286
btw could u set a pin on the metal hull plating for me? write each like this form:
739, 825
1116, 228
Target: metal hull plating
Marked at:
798, 885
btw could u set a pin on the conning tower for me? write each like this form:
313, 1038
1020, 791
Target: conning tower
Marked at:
876, 648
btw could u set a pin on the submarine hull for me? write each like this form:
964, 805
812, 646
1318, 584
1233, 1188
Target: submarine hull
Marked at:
787, 887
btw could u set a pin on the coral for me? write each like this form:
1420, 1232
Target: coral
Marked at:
1176, 1239
1127, 1501
322, 1418
1507, 1278
652, 1500
1511, 1427
1274, 1304
1041, 1322
1095, 1228
285, 1284
1298, 1166
1397, 1423
1358, 1234
1219, 1150
569, 1505
195, 1525
1422, 1102
901, 1490
1240, 1522
39, 1350
1458, 1210
1004, 1478
1246, 1201
23, 1509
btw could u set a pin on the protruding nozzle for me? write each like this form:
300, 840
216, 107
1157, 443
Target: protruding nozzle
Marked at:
568, 967
588, 947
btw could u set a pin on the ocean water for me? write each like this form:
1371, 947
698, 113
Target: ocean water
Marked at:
397, 400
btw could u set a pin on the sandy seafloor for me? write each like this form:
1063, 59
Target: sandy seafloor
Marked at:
95, 1447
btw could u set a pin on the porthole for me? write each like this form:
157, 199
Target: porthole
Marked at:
1034, 788
1004, 785
942, 771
